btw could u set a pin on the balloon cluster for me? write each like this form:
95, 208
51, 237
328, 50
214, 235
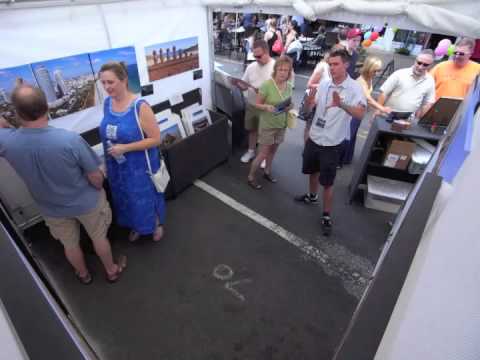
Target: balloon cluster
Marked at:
444, 47
370, 36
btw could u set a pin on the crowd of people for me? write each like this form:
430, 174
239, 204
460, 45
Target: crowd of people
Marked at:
66, 178
335, 102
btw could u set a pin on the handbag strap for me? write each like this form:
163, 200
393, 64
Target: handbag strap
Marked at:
279, 92
137, 100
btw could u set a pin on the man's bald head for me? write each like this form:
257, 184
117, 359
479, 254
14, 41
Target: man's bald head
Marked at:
30, 102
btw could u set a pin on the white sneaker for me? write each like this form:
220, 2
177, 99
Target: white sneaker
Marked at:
263, 165
249, 155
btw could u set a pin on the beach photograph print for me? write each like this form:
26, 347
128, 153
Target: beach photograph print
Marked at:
125, 55
68, 84
172, 58
171, 135
9, 79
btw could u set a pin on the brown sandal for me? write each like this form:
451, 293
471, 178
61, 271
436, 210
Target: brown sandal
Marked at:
254, 185
121, 265
269, 178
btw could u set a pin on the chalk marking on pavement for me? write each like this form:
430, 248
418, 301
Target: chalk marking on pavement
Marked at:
222, 272
354, 279
230, 287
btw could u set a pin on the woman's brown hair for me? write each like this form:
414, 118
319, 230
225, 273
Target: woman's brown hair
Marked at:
118, 68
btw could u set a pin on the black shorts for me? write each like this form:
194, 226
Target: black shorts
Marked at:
323, 159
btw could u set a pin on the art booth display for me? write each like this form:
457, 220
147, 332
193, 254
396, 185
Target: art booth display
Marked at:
70, 83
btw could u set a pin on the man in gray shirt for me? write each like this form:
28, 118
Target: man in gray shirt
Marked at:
337, 100
62, 173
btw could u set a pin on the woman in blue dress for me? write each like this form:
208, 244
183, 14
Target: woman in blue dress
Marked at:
138, 206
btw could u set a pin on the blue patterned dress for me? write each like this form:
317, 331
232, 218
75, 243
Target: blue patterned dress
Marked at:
136, 202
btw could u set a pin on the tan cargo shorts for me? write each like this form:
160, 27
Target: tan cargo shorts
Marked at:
271, 136
96, 223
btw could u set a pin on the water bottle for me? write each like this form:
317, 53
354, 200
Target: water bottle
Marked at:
120, 159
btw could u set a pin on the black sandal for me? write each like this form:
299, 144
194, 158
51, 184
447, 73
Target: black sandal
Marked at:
270, 178
254, 185
121, 265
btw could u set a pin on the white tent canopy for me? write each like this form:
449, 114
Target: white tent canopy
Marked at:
457, 17
452, 17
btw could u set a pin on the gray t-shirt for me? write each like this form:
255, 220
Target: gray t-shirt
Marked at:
53, 164
331, 125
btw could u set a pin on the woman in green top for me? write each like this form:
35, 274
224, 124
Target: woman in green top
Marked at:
272, 125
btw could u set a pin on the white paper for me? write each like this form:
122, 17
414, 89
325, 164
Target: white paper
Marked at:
175, 99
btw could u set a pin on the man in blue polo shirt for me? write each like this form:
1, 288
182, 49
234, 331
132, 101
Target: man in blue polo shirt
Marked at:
338, 100
62, 173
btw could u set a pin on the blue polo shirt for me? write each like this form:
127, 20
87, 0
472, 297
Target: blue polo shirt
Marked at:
53, 164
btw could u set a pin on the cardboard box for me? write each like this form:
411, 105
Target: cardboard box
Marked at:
399, 154
386, 194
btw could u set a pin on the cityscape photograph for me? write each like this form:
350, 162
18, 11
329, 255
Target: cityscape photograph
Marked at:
125, 55
172, 58
68, 84
9, 79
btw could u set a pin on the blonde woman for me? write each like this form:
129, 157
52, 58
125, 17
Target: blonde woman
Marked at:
138, 206
272, 125
370, 68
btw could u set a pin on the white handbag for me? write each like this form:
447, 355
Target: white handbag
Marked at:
161, 178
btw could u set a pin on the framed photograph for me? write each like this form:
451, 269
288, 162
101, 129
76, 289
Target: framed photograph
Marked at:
68, 84
171, 129
171, 58
196, 118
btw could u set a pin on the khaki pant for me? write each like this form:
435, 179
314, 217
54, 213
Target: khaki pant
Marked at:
96, 223
271, 136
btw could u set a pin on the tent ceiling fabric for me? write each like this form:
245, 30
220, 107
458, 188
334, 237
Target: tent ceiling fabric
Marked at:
452, 17
455, 17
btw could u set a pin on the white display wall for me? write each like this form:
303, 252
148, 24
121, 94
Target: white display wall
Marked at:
31, 35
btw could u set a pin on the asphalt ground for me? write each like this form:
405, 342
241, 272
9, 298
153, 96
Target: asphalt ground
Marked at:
226, 282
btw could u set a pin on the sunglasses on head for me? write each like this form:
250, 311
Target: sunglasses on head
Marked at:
421, 63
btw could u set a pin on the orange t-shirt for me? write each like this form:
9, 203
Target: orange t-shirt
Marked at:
452, 81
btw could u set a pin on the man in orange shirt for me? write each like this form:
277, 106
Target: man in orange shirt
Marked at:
454, 77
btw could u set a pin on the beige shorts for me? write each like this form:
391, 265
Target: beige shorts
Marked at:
252, 117
96, 223
271, 136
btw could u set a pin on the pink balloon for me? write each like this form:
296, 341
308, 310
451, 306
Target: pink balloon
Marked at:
440, 51
445, 43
